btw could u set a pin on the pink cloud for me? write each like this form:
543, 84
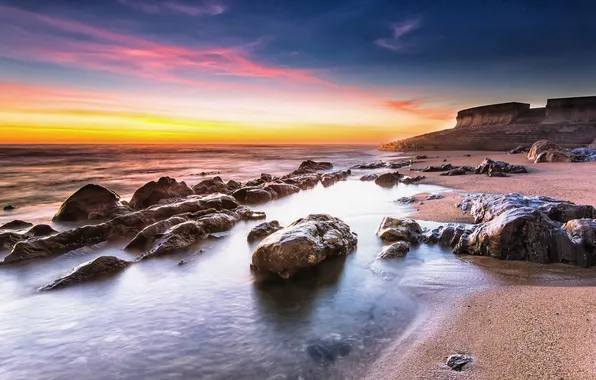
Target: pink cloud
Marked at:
417, 107
401, 29
23, 36
196, 9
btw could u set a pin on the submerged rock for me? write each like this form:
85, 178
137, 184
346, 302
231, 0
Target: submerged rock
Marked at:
263, 230
388, 179
16, 225
458, 361
303, 244
396, 229
398, 249
327, 350
88, 200
153, 192
542, 146
95, 269
369, 177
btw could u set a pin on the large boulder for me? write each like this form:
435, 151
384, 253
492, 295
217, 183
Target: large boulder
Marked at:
554, 156
88, 200
399, 229
541, 146
263, 230
98, 268
303, 244
153, 192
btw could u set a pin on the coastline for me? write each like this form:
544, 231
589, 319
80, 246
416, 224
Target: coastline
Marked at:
518, 330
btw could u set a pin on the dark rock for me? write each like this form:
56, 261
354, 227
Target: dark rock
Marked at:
305, 181
398, 249
462, 170
16, 225
254, 195
9, 208
467, 155
398, 165
87, 200
496, 173
233, 185
369, 177
98, 268
210, 186
244, 213
371, 165
153, 192
9, 239
120, 227
433, 197
458, 361
332, 178
309, 166
142, 241
540, 147
303, 244
420, 157
442, 168
264, 178
448, 235
498, 166
518, 150
388, 179
328, 350
395, 229
554, 156
407, 180
406, 200
282, 189
263, 230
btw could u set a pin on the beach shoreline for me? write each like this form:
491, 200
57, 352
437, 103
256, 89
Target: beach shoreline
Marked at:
517, 330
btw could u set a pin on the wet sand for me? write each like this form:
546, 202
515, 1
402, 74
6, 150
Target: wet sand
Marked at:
516, 330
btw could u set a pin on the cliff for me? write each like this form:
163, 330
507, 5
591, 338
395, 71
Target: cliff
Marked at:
569, 122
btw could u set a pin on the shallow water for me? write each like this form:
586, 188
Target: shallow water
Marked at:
210, 319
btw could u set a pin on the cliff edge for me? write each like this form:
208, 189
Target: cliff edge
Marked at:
569, 122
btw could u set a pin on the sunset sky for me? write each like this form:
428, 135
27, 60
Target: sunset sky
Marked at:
273, 71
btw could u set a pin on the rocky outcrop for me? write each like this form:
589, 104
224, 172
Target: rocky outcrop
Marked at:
153, 192
396, 229
264, 178
263, 230
303, 244
117, 228
398, 249
95, 269
86, 201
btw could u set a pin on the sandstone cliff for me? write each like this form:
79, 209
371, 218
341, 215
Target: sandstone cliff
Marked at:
569, 122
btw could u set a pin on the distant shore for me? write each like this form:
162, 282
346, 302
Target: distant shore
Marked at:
513, 331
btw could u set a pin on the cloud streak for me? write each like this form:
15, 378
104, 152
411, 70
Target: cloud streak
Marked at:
416, 107
401, 29
195, 9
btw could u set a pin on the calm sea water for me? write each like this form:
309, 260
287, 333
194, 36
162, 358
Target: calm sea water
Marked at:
209, 319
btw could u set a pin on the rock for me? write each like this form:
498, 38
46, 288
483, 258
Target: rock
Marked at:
244, 213
458, 361
369, 177
442, 168
518, 150
407, 180
16, 225
9, 208
467, 155
371, 165
263, 230
282, 189
462, 170
496, 173
398, 165
141, 242
448, 234
394, 250
406, 200
328, 350
445, 160
210, 186
395, 229
233, 185
432, 197
303, 244
420, 157
183, 235
264, 178
587, 154
88, 199
554, 156
329, 179
120, 227
485, 207
153, 192
388, 179
305, 181
254, 195
493, 167
310, 166
98, 268
9, 239
540, 147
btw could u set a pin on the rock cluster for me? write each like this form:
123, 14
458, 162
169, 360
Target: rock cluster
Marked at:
303, 244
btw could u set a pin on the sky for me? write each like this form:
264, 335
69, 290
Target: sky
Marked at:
274, 71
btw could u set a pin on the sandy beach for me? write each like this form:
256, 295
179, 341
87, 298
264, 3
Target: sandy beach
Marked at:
512, 331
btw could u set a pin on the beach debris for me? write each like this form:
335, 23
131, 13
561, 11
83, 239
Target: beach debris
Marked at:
153, 192
95, 269
432, 197
369, 177
328, 349
388, 179
398, 249
399, 229
263, 230
458, 361
406, 200
303, 244
8, 208
91, 201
